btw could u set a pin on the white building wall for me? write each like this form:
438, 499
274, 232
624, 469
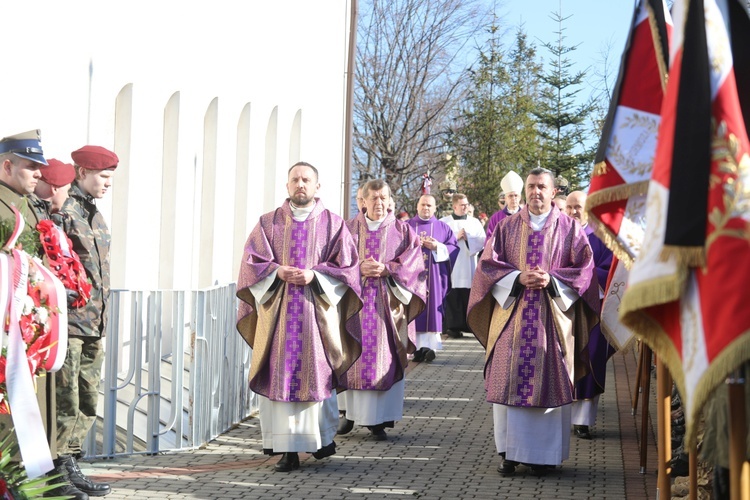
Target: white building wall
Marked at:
285, 59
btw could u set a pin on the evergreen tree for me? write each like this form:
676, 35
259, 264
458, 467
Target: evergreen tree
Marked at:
567, 146
495, 129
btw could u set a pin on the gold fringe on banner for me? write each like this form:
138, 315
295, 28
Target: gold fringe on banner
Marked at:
685, 256
600, 168
663, 65
730, 358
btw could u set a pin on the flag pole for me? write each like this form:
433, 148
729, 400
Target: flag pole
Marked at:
737, 436
646, 391
664, 427
693, 472
638, 376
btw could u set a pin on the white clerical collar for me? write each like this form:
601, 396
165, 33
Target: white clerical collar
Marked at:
422, 218
301, 213
537, 221
372, 225
514, 211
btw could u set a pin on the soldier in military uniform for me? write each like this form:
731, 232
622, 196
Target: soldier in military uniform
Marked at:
78, 379
21, 161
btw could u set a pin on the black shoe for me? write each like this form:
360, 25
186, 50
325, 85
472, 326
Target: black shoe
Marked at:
419, 355
378, 432
454, 334
680, 465
64, 487
325, 451
429, 356
79, 479
508, 467
539, 470
345, 426
289, 462
582, 431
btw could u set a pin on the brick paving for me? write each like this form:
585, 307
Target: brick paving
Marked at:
442, 449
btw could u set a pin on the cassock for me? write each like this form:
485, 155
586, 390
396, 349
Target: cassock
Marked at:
457, 300
439, 263
588, 389
375, 382
303, 338
496, 218
535, 340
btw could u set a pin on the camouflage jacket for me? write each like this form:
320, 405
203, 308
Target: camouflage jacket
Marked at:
88, 232
26, 205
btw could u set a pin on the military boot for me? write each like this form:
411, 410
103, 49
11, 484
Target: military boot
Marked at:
64, 487
79, 479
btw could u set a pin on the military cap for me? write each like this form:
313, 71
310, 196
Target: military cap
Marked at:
26, 145
57, 173
95, 158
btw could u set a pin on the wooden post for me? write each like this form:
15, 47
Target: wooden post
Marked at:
664, 426
646, 391
737, 436
638, 377
693, 471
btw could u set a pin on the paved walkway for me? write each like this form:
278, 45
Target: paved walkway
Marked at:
442, 449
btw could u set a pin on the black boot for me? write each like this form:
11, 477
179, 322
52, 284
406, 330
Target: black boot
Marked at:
289, 461
65, 488
79, 479
325, 451
345, 425
582, 431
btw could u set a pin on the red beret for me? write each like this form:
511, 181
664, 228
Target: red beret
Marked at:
95, 158
57, 173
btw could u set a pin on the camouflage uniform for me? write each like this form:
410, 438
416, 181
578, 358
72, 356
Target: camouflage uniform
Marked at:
32, 213
78, 379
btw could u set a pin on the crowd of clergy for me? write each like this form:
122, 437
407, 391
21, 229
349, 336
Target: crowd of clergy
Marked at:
335, 310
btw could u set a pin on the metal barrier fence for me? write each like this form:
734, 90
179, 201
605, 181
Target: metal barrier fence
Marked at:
175, 372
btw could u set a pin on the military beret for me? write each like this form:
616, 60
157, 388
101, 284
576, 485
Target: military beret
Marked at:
95, 158
26, 145
57, 173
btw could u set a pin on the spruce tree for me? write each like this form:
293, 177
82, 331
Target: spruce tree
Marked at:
567, 146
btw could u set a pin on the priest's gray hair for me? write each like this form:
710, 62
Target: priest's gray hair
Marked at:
375, 185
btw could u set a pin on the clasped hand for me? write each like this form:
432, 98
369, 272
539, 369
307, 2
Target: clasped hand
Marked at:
534, 279
295, 275
371, 268
428, 242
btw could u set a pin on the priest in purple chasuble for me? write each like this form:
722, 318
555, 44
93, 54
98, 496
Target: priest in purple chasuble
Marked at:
393, 295
470, 236
439, 251
588, 389
512, 187
299, 293
532, 309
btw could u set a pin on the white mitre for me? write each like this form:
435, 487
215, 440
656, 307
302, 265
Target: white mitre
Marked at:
512, 183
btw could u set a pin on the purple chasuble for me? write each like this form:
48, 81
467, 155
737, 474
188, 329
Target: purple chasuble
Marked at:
495, 220
300, 347
599, 349
438, 273
526, 361
384, 319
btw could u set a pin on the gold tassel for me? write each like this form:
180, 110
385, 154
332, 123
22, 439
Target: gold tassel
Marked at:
600, 168
685, 256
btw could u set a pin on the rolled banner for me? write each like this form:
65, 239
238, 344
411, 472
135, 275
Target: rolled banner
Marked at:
27, 419
58, 334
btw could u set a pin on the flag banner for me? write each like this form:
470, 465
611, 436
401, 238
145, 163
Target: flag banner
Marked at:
624, 161
685, 294
618, 335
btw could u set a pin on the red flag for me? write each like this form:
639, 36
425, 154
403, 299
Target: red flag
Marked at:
686, 293
616, 198
617, 195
